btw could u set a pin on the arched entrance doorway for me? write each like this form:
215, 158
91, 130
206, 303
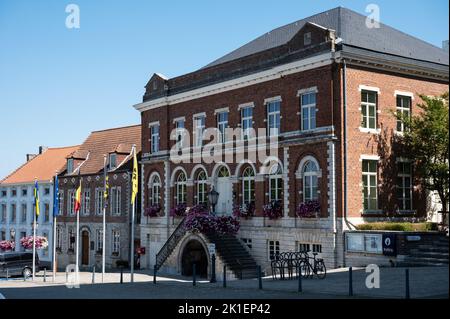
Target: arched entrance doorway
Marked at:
194, 253
85, 247
224, 188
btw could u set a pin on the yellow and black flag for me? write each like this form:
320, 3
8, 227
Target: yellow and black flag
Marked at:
134, 179
106, 185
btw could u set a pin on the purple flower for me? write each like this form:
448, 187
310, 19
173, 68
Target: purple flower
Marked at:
152, 210
273, 210
308, 209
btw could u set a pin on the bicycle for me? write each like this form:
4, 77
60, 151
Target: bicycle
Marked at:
318, 267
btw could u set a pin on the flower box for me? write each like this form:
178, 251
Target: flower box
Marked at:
309, 209
273, 210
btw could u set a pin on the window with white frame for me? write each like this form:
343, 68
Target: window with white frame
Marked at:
46, 212
199, 128
370, 184
222, 124
369, 109
155, 190
247, 122
71, 202
273, 118
180, 132
248, 186
404, 185
99, 201
24, 192
13, 213
61, 202
59, 236
116, 200
308, 110
403, 110
99, 235
115, 242
273, 249
317, 248
154, 131
310, 181
86, 202
201, 188
275, 183
24, 212
180, 187
70, 166
112, 161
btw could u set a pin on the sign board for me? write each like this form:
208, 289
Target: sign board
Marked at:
389, 245
212, 249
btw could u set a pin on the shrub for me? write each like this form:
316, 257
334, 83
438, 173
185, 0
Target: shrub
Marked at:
395, 226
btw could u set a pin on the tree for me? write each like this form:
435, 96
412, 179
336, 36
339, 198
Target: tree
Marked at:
426, 140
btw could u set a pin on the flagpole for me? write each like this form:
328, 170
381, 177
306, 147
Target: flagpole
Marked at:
104, 218
54, 225
132, 224
77, 243
34, 242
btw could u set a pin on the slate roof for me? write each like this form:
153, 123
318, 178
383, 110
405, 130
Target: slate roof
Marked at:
351, 27
107, 141
42, 167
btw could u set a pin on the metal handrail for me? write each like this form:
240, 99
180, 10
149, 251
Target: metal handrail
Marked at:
170, 244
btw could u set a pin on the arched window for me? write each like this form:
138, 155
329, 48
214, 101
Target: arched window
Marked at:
248, 186
154, 190
201, 188
310, 185
180, 186
223, 172
275, 183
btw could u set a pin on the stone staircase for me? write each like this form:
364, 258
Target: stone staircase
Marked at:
430, 254
234, 255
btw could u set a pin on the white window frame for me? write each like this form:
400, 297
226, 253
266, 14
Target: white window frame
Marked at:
71, 202
116, 200
222, 125
365, 105
367, 175
401, 110
154, 138
311, 108
180, 131
115, 241
181, 189
310, 176
86, 202
99, 241
112, 160
70, 166
248, 186
99, 200
199, 129
273, 247
202, 188
246, 120
403, 176
155, 189
277, 177
273, 118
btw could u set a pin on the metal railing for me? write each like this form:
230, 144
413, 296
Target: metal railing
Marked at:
170, 245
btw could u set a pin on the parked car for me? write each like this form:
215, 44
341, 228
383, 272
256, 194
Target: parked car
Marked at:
17, 263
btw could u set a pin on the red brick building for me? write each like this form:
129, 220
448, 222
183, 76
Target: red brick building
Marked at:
327, 84
87, 164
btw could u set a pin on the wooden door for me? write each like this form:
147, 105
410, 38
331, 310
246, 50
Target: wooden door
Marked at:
85, 248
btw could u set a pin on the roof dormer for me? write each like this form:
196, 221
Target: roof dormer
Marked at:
156, 86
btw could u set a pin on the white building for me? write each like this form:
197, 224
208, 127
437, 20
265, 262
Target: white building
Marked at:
17, 198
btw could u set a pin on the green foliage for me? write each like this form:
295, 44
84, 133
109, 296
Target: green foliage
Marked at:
397, 226
426, 140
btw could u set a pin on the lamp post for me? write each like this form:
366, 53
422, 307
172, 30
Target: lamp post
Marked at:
213, 196
12, 234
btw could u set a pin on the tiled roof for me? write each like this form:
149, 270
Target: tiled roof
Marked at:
100, 143
351, 27
43, 167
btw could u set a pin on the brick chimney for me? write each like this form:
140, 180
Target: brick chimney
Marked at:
42, 149
30, 157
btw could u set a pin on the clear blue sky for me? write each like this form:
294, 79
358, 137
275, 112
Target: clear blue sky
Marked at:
58, 84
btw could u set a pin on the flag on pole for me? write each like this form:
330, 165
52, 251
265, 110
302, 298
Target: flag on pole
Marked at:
106, 192
78, 199
36, 197
134, 180
56, 197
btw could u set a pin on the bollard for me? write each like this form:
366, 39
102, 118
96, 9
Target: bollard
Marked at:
93, 275
300, 288
213, 269
350, 282
67, 276
45, 274
7, 274
154, 275
194, 279
259, 278
224, 276
407, 295
24, 277
121, 275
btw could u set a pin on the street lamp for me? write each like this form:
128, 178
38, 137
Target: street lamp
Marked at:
12, 234
213, 196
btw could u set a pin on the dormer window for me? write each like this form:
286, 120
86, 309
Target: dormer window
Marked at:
155, 85
112, 161
307, 38
70, 166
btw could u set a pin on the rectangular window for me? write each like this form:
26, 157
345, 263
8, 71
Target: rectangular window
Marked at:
112, 161
116, 201
180, 132
369, 109
317, 248
247, 242
71, 202
99, 240
3, 193
3, 235
59, 235
303, 247
22, 235
154, 131
273, 118
404, 186
47, 191
24, 213
370, 182
99, 201
274, 249
115, 242
46, 212
222, 124
45, 250
247, 122
13, 193
70, 166
24, 192
308, 111
61, 202
3, 213
13, 213
86, 202
404, 110
199, 128
71, 238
